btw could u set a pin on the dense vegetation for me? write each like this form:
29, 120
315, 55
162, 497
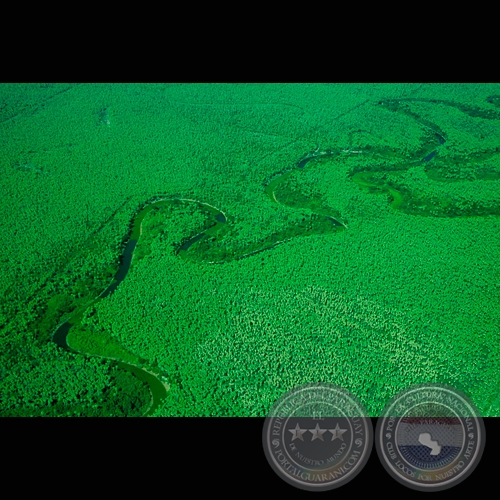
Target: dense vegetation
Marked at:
373, 266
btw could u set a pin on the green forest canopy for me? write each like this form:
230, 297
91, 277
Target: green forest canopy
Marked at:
407, 293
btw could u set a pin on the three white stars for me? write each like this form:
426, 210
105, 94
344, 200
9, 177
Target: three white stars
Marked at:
317, 433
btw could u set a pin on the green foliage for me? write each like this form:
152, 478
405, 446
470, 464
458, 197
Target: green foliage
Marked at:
49, 382
406, 293
87, 341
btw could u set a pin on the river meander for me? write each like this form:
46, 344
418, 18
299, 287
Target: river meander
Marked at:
157, 383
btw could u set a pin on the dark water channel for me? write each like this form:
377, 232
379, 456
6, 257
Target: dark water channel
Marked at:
61, 333
158, 390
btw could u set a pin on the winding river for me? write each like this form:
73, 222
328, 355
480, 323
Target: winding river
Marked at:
157, 386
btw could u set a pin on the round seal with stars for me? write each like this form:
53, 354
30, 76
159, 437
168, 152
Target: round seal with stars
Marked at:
317, 437
430, 437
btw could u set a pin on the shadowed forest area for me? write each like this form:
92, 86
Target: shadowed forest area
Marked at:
200, 249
